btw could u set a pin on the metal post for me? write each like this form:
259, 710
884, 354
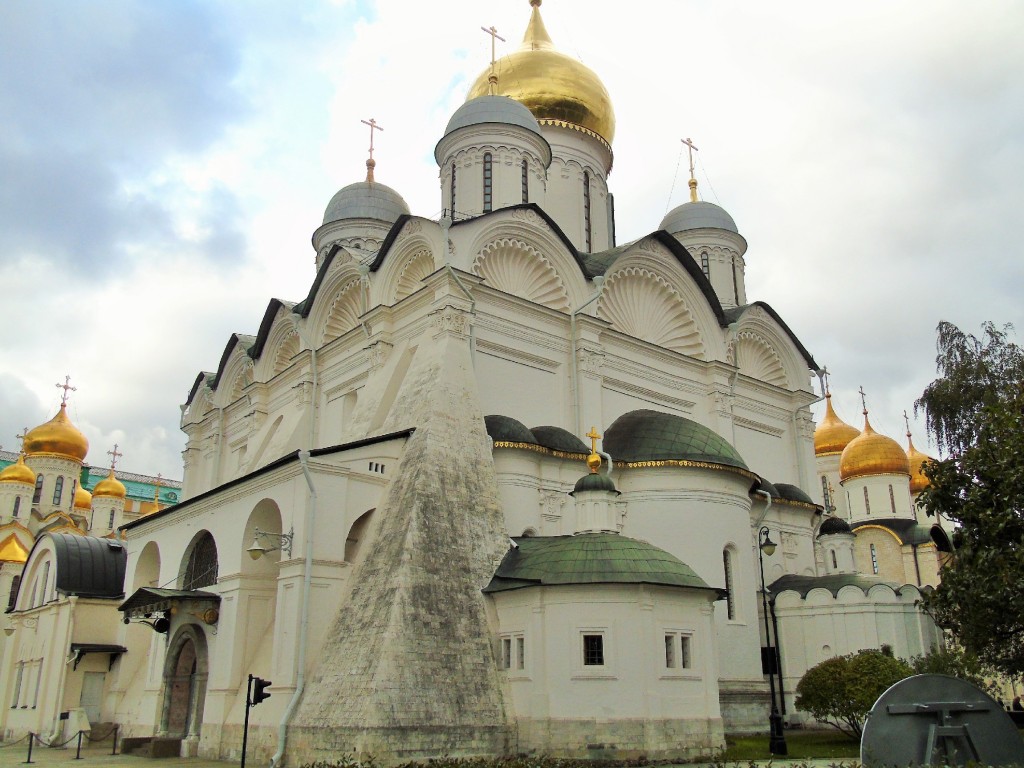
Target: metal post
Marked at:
245, 729
777, 739
113, 751
78, 750
31, 738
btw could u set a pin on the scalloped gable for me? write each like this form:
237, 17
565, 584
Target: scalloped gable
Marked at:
734, 314
267, 325
242, 339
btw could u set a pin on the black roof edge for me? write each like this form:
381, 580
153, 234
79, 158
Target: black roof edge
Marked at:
201, 377
808, 357
686, 261
577, 257
389, 241
304, 306
286, 459
236, 338
256, 350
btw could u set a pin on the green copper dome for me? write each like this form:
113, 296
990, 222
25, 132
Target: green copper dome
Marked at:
590, 558
654, 436
596, 481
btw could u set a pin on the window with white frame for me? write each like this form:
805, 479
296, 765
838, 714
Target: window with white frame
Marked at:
593, 649
19, 674
678, 649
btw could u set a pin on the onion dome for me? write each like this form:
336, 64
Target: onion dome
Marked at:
505, 429
646, 435
110, 486
12, 550
57, 437
18, 472
697, 215
834, 525
872, 454
833, 434
918, 482
556, 88
83, 499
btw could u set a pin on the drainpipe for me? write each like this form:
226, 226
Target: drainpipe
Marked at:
767, 506
917, 565
574, 372
307, 580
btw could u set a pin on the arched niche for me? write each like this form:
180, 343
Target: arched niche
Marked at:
147, 567
266, 516
200, 565
186, 668
356, 536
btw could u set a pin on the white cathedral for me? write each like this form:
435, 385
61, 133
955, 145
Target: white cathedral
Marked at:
397, 508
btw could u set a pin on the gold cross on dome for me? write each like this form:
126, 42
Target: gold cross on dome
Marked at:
114, 456
824, 377
22, 436
66, 386
495, 37
691, 148
863, 400
373, 127
594, 437
156, 489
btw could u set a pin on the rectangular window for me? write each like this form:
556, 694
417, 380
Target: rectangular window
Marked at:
520, 652
730, 602
705, 265
488, 182
506, 653
38, 493
586, 210
677, 650
874, 560
892, 500
58, 489
453, 192
17, 684
593, 650
867, 503
526, 186
825, 494
39, 680
110, 523
17, 506
15, 583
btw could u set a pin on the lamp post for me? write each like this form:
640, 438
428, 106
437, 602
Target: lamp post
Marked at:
777, 739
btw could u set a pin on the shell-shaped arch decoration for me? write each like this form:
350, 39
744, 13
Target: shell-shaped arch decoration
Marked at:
640, 303
756, 358
287, 350
515, 267
241, 380
417, 267
344, 313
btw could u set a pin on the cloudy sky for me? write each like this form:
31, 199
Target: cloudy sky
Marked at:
163, 165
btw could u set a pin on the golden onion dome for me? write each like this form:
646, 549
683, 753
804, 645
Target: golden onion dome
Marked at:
918, 482
872, 454
833, 434
12, 550
83, 499
110, 486
57, 437
556, 88
18, 472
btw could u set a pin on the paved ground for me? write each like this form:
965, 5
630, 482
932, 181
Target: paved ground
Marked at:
11, 755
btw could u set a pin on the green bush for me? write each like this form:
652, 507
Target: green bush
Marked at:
840, 691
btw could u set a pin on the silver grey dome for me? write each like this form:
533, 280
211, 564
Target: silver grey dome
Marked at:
491, 109
699, 215
366, 200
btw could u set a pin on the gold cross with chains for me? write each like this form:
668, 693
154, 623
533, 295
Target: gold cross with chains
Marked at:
691, 148
863, 399
373, 127
114, 456
824, 377
66, 386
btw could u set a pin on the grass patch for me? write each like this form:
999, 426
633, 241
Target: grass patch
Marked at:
801, 744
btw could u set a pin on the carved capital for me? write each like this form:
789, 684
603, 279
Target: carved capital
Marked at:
378, 354
590, 359
450, 320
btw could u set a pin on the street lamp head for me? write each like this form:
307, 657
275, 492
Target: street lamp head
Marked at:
256, 551
767, 545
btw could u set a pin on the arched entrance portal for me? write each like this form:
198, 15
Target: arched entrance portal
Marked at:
185, 673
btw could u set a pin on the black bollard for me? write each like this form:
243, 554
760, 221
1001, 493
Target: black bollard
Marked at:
78, 752
114, 750
31, 738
